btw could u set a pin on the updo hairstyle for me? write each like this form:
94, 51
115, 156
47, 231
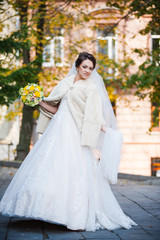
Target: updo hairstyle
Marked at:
84, 56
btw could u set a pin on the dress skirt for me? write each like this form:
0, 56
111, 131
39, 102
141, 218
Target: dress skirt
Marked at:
59, 182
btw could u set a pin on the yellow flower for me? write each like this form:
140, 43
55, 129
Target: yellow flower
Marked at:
25, 87
39, 88
37, 94
26, 92
32, 88
23, 98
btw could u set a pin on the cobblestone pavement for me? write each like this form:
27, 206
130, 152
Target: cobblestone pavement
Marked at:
138, 200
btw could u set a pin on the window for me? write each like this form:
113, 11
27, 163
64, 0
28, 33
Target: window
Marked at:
17, 52
53, 52
155, 117
107, 44
155, 167
155, 41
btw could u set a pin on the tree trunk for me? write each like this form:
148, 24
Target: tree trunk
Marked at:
25, 133
40, 33
27, 121
27, 114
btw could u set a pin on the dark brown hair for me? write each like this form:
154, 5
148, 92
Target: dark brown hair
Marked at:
84, 56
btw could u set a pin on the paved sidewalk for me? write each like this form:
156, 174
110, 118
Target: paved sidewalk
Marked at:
138, 200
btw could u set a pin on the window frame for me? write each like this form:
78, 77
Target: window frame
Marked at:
51, 43
110, 49
154, 36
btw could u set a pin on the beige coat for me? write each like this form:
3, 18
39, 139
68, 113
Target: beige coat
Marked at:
85, 104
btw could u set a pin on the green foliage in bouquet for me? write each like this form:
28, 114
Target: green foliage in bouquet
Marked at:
31, 94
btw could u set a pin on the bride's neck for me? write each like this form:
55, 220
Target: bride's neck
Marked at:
77, 77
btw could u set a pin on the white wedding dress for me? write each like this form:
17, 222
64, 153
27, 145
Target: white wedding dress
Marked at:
59, 182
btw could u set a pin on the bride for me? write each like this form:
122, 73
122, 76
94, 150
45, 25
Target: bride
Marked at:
61, 180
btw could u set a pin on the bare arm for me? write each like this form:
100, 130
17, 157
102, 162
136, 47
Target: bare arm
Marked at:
48, 107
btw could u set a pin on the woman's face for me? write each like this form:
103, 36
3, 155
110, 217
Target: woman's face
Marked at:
85, 69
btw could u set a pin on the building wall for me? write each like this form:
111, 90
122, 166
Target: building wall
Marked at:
140, 145
9, 134
134, 115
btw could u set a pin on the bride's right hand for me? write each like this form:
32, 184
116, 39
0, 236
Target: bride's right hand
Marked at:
48, 107
41, 103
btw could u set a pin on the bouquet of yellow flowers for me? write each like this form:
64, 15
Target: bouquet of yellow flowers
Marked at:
31, 94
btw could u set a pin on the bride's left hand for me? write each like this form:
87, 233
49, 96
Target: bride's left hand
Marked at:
103, 128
